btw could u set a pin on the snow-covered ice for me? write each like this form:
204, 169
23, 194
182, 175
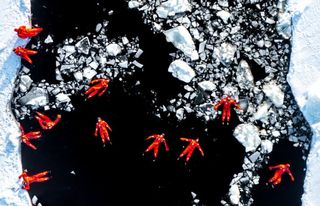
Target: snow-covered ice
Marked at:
13, 14
304, 79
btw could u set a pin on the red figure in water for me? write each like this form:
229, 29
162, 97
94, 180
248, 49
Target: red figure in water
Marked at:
102, 127
24, 32
24, 53
27, 180
45, 122
190, 148
226, 102
158, 139
25, 138
281, 169
99, 88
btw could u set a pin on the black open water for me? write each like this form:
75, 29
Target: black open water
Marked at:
119, 174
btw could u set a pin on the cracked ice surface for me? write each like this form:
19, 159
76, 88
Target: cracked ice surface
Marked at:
304, 76
13, 13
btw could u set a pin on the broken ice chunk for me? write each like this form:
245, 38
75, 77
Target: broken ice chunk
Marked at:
134, 4
181, 39
113, 49
173, 7
248, 136
88, 73
284, 27
48, 40
94, 65
98, 27
62, 98
224, 15
225, 53
25, 83
266, 146
262, 112
123, 64
78, 76
274, 93
83, 45
69, 49
207, 85
36, 97
138, 54
181, 70
234, 194
244, 76
180, 113
34, 200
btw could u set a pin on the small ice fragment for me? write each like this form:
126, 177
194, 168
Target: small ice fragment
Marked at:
248, 136
207, 85
137, 64
36, 97
62, 98
25, 83
94, 65
83, 45
113, 49
181, 70
173, 7
98, 27
134, 4
266, 146
138, 54
88, 73
123, 64
48, 40
181, 39
225, 53
234, 194
274, 93
224, 15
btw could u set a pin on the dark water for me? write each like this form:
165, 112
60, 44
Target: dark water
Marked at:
119, 174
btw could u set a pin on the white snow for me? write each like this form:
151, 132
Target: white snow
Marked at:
181, 39
13, 14
248, 136
181, 70
304, 79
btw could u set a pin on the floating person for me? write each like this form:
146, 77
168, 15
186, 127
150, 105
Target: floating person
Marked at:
158, 139
102, 128
281, 169
45, 122
27, 180
24, 53
24, 32
226, 102
99, 88
25, 138
193, 143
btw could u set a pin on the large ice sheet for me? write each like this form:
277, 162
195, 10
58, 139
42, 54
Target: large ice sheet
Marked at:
13, 13
304, 79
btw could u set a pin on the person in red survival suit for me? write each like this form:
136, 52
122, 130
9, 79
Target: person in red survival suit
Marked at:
24, 32
281, 169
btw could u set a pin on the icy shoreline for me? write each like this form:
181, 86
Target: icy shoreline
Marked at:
13, 13
304, 80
